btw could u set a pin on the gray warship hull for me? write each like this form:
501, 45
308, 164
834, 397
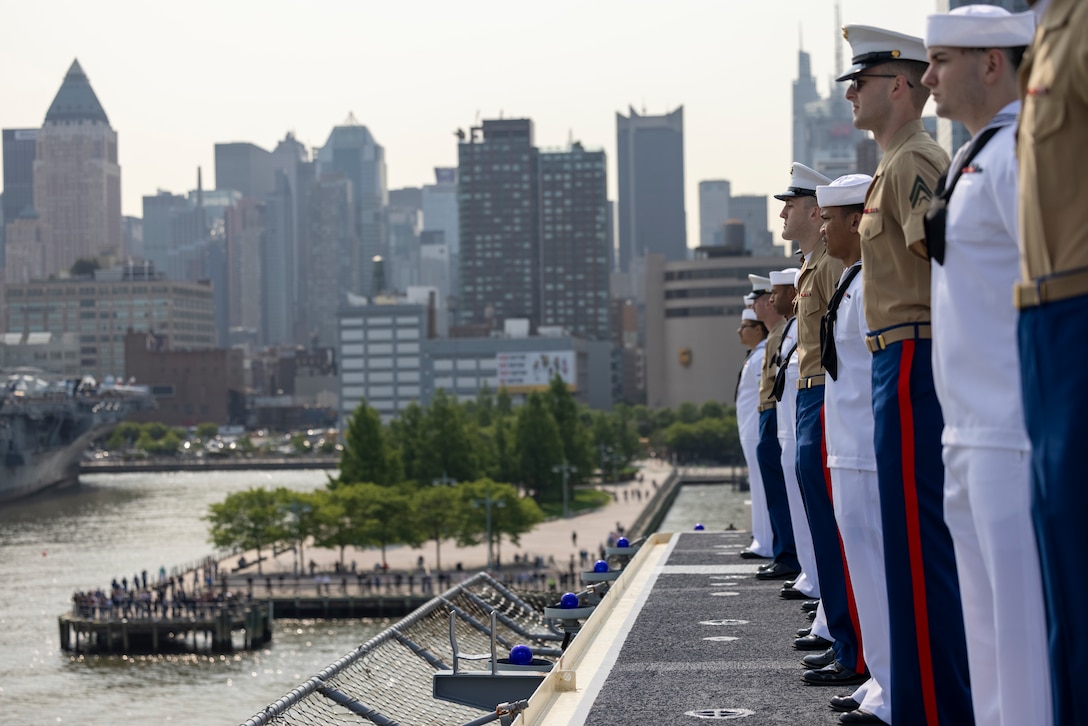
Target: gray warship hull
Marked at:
46, 469
46, 426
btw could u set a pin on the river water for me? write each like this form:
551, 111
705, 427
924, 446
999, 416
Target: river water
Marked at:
114, 525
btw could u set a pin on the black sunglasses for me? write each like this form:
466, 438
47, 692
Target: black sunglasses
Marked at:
858, 81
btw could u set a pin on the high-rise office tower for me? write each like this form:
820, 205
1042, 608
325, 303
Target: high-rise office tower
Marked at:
751, 210
405, 227
498, 189
352, 151
713, 210
245, 168
291, 158
19, 149
804, 93
574, 241
77, 180
170, 223
650, 164
277, 265
440, 217
332, 242
534, 232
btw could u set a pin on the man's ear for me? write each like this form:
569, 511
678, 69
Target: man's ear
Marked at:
855, 221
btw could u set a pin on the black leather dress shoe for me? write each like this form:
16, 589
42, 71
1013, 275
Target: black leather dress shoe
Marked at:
811, 615
750, 555
819, 660
835, 674
842, 704
858, 716
802, 632
789, 583
777, 571
790, 593
809, 606
812, 642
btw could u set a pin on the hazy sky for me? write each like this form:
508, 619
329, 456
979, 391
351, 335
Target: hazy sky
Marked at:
175, 78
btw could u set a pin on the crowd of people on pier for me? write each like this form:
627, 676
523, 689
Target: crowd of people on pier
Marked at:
907, 408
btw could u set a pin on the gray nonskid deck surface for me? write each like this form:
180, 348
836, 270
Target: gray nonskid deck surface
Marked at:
668, 666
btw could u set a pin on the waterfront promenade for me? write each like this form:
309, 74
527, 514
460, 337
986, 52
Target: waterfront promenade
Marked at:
550, 540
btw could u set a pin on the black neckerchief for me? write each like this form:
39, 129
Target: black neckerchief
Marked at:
829, 359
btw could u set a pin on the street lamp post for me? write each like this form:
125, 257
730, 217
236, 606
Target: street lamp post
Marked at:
566, 470
487, 501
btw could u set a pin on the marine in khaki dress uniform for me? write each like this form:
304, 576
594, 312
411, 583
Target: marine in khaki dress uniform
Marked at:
1052, 146
929, 673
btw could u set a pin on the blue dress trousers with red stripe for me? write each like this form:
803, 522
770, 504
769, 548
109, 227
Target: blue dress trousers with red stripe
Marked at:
930, 683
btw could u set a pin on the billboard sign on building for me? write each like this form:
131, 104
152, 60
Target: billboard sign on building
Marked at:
525, 372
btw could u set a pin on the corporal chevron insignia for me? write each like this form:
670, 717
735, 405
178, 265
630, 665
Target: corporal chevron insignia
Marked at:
919, 192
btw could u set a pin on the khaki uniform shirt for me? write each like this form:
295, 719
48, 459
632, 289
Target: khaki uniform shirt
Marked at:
895, 272
1052, 144
819, 276
770, 364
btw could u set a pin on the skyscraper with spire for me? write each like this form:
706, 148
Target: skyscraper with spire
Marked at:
77, 178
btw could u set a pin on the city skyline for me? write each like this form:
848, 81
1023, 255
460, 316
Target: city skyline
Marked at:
415, 73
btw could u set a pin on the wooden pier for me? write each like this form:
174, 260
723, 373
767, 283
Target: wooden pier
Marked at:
105, 632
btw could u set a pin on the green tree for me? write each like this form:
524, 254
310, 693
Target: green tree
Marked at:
507, 465
511, 515
336, 520
124, 435
449, 447
407, 434
504, 404
246, 520
707, 440
207, 431
439, 511
539, 449
712, 409
84, 267
572, 432
155, 430
386, 518
484, 409
166, 445
300, 517
688, 412
627, 436
366, 456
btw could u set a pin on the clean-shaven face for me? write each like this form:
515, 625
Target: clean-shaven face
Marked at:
954, 78
795, 218
870, 95
836, 231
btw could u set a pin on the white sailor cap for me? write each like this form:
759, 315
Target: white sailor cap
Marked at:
760, 283
873, 46
844, 191
748, 314
980, 26
749, 299
785, 277
803, 182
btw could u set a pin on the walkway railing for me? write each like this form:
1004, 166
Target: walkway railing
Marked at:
357, 689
